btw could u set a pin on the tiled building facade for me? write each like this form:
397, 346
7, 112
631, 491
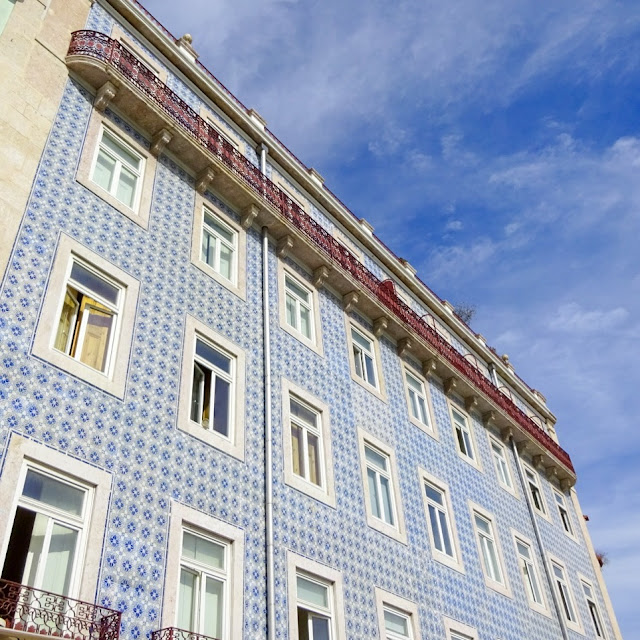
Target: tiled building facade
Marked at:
357, 464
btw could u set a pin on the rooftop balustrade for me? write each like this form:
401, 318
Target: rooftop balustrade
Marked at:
120, 64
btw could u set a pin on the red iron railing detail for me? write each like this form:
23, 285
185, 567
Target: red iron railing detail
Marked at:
173, 633
98, 45
32, 610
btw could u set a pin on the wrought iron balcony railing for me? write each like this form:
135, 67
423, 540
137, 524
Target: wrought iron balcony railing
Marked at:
173, 633
28, 610
100, 47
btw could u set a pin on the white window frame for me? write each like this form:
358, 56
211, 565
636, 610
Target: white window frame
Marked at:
457, 630
113, 379
590, 600
482, 541
424, 393
22, 454
396, 530
532, 569
323, 574
99, 123
325, 492
315, 341
378, 388
400, 606
562, 594
466, 427
532, 482
563, 512
238, 283
502, 465
233, 445
455, 561
184, 517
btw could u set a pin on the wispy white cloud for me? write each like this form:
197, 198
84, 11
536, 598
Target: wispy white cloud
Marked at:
573, 318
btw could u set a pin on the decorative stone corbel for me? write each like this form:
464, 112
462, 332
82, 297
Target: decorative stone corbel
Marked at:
488, 418
380, 326
450, 384
349, 301
204, 179
522, 446
285, 244
106, 93
471, 402
404, 346
160, 141
429, 367
566, 484
249, 214
551, 472
320, 276
537, 462
506, 434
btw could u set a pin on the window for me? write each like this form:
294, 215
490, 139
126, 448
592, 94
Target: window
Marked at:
592, 606
219, 246
397, 617
117, 166
307, 465
298, 307
489, 550
564, 513
418, 401
315, 593
458, 631
564, 594
87, 318
203, 598
501, 464
118, 169
381, 494
88, 321
397, 625
530, 579
534, 490
212, 386
440, 521
204, 582
6, 6
463, 435
364, 358
48, 534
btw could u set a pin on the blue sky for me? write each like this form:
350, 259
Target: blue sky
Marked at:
496, 146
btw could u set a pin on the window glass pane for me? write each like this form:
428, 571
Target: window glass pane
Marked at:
97, 336
221, 407
467, 444
361, 340
483, 525
461, 441
226, 261
523, 550
320, 627
396, 623
305, 322
298, 290
186, 595
117, 149
386, 500
371, 370
414, 383
67, 320
312, 592
435, 529
208, 249
296, 450
213, 608
197, 393
59, 565
290, 305
36, 545
434, 494
444, 527
104, 170
373, 492
204, 551
126, 189
314, 458
375, 458
213, 356
54, 493
357, 360
558, 571
302, 413
94, 283
223, 232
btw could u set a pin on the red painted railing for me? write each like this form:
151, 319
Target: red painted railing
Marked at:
99, 46
30, 610
173, 633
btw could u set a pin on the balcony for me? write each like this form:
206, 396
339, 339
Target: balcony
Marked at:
119, 78
173, 633
26, 612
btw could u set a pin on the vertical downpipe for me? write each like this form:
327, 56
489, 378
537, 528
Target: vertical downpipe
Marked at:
268, 435
543, 554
